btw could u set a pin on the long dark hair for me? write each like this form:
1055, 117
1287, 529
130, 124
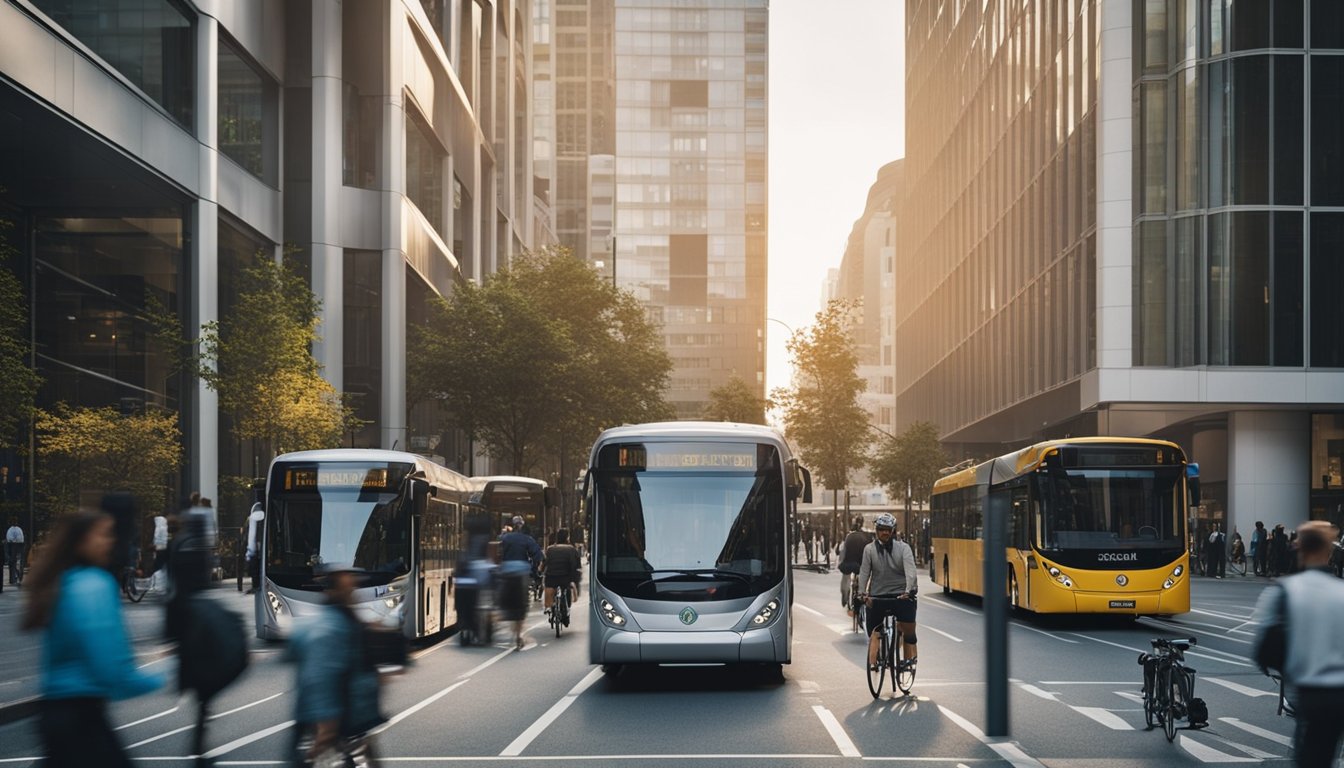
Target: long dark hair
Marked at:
59, 555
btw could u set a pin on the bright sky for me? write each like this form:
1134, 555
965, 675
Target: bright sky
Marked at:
837, 114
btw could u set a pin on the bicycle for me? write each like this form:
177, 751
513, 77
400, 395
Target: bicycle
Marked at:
1237, 562
538, 588
1169, 687
559, 617
857, 609
888, 649
135, 586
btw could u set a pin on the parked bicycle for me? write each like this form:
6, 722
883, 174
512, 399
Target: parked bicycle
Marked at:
1237, 562
136, 586
890, 650
559, 617
1169, 688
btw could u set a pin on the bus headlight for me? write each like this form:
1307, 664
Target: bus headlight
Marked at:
609, 612
767, 613
1061, 577
277, 605
1174, 577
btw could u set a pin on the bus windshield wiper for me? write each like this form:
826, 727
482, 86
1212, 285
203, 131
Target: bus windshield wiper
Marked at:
699, 573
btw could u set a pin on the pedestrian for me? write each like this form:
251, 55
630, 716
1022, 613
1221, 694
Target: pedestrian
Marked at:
1258, 548
1278, 551
1215, 553
190, 558
255, 521
1300, 621
160, 545
520, 556
336, 680
86, 658
14, 545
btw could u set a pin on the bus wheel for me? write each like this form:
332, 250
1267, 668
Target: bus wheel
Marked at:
1014, 598
611, 670
947, 585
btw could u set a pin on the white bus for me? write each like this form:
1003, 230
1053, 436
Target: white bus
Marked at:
397, 516
690, 556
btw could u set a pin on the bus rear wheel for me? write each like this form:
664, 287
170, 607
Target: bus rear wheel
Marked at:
1014, 597
947, 585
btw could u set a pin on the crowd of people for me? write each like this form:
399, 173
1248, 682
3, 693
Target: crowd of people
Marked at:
1271, 552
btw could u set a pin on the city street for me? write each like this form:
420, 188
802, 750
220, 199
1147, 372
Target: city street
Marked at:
1075, 701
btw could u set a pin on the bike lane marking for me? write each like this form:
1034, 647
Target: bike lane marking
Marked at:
1244, 690
1206, 754
1256, 730
1008, 750
533, 731
1104, 716
837, 732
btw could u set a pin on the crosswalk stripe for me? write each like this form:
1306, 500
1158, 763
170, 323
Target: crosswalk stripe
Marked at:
1105, 717
1256, 730
1252, 751
1244, 690
1207, 754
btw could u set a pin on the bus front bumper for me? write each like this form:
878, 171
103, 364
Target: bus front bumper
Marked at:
755, 645
1136, 604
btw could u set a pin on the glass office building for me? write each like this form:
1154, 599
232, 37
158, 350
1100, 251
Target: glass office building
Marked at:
149, 149
690, 208
1123, 218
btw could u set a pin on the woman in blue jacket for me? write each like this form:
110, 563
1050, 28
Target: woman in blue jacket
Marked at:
86, 656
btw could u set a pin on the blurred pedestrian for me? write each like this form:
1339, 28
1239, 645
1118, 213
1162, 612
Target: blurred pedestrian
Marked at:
190, 553
1302, 620
1258, 548
520, 555
14, 545
336, 681
256, 519
86, 654
1278, 551
160, 546
1215, 553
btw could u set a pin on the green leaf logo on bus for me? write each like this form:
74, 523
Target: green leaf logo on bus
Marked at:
688, 615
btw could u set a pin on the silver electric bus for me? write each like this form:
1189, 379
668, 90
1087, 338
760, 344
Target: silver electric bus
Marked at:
397, 516
690, 559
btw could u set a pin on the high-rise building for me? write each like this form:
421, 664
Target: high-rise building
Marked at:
149, 148
690, 208
1126, 217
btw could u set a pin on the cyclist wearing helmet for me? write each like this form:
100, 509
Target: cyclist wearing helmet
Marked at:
887, 576
851, 557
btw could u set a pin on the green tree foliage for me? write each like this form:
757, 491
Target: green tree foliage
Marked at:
259, 360
735, 401
18, 381
538, 359
913, 458
821, 410
100, 449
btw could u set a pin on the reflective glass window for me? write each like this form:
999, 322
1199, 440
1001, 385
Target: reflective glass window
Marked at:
248, 114
424, 172
1327, 24
1250, 24
1289, 88
1154, 137
1327, 139
1327, 275
1150, 319
1249, 136
363, 301
1286, 291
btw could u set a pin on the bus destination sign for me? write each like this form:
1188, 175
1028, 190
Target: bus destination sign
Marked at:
702, 456
336, 478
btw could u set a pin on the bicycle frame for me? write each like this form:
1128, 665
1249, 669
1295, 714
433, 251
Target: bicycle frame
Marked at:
1168, 685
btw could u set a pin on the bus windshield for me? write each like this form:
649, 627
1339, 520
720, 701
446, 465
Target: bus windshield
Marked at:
692, 530
337, 513
1095, 508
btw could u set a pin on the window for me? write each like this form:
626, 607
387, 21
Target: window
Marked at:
1327, 140
363, 289
1327, 275
424, 172
248, 114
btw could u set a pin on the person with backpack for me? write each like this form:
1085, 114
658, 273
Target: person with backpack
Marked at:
336, 679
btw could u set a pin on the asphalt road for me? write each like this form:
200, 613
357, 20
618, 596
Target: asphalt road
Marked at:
1074, 699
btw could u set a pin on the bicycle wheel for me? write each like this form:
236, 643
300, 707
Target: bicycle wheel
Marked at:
1238, 566
902, 675
1173, 709
132, 589
876, 676
1151, 716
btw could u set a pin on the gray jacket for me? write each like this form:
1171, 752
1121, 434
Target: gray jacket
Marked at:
1313, 605
890, 574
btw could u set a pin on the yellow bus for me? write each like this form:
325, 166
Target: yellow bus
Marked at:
1096, 525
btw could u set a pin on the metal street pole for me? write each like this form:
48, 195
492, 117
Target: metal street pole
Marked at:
996, 609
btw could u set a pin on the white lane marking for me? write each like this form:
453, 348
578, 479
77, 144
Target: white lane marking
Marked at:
248, 705
1034, 691
1108, 642
405, 713
1191, 652
1086, 682
943, 603
1105, 717
153, 739
1128, 695
533, 731
244, 741
1244, 690
1207, 754
1006, 749
838, 735
1185, 627
812, 611
808, 686
1043, 632
471, 672
841, 629
1259, 754
954, 638
1256, 730
1236, 616
147, 719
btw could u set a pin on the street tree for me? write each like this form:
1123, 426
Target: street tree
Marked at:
101, 449
912, 460
537, 359
18, 380
735, 401
821, 410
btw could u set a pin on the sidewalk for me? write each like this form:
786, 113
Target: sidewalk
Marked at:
21, 652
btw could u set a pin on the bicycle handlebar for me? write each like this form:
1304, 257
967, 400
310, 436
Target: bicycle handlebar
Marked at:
1182, 644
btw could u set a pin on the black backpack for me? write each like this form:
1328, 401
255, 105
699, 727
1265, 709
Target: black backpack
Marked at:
213, 647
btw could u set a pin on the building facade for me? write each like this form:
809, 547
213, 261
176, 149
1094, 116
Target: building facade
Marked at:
690, 178
150, 148
1123, 217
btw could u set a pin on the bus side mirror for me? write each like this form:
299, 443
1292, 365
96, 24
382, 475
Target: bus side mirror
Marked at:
1192, 481
552, 497
803, 486
419, 496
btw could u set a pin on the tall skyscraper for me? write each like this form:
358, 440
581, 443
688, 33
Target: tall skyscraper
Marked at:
1126, 218
690, 175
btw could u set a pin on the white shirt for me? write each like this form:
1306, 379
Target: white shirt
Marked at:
254, 520
14, 535
160, 532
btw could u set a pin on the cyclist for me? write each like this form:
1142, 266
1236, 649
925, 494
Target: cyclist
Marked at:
888, 579
562, 567
851, 558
